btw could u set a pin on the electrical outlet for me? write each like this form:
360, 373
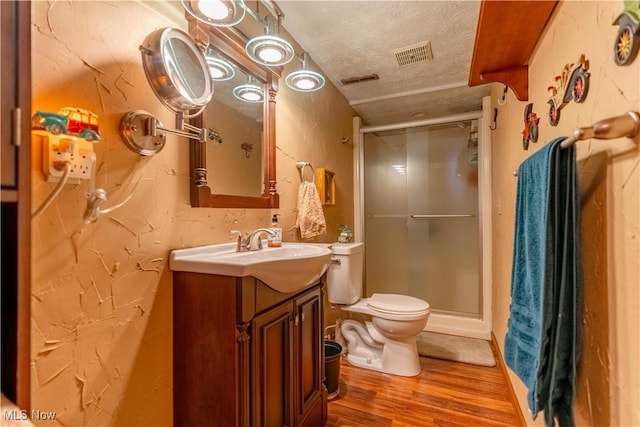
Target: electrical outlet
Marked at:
59, 149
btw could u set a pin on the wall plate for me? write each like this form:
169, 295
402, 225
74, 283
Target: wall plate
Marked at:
137, 129
59, 149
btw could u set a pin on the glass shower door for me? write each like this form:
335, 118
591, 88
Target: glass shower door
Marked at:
421, 216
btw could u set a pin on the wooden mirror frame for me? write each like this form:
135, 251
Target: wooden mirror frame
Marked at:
230, 43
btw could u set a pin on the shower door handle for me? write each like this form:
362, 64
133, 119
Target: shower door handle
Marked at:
443, 216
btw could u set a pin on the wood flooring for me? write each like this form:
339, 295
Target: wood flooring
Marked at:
446, 393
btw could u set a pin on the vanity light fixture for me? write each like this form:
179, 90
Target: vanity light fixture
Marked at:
249, 92
305, 80
219, 69
219, 13
270, 49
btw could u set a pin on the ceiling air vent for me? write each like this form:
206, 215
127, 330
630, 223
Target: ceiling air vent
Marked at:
419, 52
360, 79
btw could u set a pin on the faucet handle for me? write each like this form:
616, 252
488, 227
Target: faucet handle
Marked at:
253, 245
241, 242
238, 232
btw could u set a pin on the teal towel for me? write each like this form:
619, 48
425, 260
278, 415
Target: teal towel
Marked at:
543, 338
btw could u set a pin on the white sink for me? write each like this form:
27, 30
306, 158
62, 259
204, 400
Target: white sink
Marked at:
286, 269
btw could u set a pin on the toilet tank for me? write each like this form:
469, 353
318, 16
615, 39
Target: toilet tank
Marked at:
344, 276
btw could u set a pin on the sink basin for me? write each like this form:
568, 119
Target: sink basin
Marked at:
286, 269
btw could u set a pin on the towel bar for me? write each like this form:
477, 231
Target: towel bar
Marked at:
442, 216
626, 125
422, 216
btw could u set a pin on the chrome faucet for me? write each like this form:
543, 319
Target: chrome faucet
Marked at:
255, 244
251, 242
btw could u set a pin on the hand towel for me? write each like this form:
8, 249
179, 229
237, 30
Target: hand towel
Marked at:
310, 218
542, 342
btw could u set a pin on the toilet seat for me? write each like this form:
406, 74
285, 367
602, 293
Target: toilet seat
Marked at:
363, 306
397, 304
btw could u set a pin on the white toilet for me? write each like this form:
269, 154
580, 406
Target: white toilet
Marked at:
387, 342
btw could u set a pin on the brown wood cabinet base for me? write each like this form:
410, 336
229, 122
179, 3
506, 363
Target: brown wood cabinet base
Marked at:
246, 355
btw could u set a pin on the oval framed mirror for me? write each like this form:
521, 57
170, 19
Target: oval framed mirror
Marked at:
205, 184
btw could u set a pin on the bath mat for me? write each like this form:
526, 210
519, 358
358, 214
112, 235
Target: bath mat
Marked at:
460, 349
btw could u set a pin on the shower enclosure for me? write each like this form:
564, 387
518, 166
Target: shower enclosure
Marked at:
422, 193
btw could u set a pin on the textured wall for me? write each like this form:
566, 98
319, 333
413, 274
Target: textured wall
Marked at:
609, 374
102, 311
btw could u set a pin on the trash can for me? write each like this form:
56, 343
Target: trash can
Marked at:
332, 352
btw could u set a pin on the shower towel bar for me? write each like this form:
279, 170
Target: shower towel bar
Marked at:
626, 125
443, 216
421, 216
301, 166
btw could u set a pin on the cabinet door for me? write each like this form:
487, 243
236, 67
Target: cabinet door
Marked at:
15, 171
9, 99
308, 354
15, 102
272, 367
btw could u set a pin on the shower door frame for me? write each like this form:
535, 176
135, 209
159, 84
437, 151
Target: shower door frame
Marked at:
446, 323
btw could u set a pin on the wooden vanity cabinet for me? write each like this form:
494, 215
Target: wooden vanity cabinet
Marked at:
246, 355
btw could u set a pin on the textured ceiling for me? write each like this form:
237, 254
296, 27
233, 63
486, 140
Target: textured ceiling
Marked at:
356, 38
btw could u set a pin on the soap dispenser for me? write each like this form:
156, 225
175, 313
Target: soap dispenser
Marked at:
275, 240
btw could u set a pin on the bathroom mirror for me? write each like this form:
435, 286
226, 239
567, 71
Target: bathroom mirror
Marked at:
247, 179
235, 115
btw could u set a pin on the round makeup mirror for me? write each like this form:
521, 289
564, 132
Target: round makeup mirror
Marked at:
177, 71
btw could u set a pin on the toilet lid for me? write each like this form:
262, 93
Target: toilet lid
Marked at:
393, 303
